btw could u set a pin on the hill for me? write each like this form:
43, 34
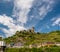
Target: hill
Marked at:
28, 37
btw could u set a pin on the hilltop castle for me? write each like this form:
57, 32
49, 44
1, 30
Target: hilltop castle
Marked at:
31, 30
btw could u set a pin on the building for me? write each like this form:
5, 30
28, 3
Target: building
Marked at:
57, 43
31, 30
2, 46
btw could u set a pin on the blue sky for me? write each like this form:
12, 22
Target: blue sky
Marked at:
15, 15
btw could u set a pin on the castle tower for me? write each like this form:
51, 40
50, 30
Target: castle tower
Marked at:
32, 30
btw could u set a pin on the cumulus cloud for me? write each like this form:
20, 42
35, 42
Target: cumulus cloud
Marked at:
9, 22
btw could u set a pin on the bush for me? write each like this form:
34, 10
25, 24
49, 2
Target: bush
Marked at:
41, 49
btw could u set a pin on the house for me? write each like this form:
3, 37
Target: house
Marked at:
2, 46
57, 43
46, 44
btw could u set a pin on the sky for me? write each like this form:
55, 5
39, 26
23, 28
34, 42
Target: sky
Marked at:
17, 15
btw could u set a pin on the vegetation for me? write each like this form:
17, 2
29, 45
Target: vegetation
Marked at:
41, 49
28, 37
33, 38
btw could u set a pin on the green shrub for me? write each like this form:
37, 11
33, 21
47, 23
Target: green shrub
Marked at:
41, 49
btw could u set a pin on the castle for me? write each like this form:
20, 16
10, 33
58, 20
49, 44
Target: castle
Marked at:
31, 30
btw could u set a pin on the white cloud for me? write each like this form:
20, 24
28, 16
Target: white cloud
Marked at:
10, 23
56, 22
21, 9
12, 31
47, 7
20, 12
43, 11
